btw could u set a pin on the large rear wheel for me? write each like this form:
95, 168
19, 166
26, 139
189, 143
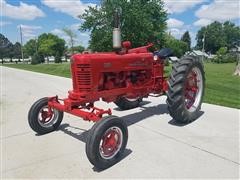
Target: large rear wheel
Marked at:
125, 103
186, 89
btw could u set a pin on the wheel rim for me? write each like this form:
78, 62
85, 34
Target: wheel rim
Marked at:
193, 89
111, 142
47, 117
132, 99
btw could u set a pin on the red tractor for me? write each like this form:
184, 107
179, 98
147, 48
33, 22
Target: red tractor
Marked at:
125, 77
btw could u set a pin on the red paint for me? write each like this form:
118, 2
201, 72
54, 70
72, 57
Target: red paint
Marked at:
106, 76
191, 89
110, 143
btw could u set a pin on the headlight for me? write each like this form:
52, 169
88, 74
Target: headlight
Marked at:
155, 57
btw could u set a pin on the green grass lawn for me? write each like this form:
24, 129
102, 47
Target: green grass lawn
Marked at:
222, 88
53, 69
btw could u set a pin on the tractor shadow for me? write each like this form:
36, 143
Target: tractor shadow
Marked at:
126, 153
143, 103
131, 119
145, 113
75, 132
175, 123
81, 135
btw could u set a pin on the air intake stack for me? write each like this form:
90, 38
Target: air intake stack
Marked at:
116, 31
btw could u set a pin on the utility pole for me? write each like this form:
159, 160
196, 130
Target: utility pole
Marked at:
203, 47
21, 43
36, 48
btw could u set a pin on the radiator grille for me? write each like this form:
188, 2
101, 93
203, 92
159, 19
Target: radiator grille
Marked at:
84, 78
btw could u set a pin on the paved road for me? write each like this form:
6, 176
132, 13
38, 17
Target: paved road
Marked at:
157, 147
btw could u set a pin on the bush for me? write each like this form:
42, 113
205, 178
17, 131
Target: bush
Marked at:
231, 57
227, 58
224, 57
37, 59
58, 58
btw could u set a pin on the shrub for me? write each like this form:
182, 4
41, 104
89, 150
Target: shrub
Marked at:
58, 58
227, 58
37, 59
231, 57
224, 57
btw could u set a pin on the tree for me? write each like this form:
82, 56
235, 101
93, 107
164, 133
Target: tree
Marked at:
187, 39
10, 52
78, 49
217, 35
231, 33
31, 47
51, 45
179, 47
17, 51
221, 53
142, 21
5, 47
72, 36
46, 44
214, 37
57, 58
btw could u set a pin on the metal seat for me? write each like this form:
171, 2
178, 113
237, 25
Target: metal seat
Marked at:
164, 53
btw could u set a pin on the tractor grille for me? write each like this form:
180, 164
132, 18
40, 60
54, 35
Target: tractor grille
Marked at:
84, 78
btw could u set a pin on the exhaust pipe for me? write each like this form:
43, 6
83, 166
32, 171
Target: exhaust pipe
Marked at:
116, 31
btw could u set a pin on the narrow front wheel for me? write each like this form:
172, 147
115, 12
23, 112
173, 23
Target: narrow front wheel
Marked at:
43, 119
106, 142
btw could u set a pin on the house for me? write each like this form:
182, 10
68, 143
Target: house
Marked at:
198, 53
235, 49
173, 59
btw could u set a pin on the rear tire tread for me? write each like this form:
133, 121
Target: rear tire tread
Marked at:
124, 104
175, 94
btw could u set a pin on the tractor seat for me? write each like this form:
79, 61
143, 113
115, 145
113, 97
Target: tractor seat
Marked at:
164, 53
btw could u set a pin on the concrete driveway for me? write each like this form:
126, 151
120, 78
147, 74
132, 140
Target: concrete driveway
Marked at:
157, 146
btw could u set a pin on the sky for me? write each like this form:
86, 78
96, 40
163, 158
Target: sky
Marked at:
38, 16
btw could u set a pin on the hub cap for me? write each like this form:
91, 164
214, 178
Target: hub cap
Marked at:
111, 142
47, 116
193, 89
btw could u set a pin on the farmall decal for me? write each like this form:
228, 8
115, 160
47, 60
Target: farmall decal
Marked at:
138, 63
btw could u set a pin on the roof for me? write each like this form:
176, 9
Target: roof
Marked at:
197, 53
173, 58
